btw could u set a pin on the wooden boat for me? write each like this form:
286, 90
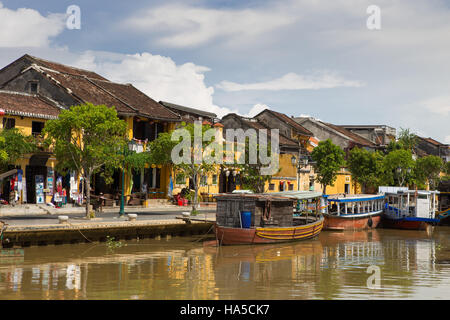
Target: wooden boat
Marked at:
355, 212
410, 209
272, 218
444, 203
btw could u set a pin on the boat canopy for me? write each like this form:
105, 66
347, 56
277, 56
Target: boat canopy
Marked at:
299, 195
357, 198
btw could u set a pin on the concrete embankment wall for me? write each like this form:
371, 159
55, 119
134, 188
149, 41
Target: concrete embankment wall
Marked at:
24, 236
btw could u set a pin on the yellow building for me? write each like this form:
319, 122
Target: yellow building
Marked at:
34, 173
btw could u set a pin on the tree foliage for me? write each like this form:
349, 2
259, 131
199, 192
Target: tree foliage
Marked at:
427, 169
406, 140
13, 145
251, 177
328, 158
365, 167
398, 168
161, 153
87, 138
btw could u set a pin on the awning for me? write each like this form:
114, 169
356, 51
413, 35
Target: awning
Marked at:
7, 174
299, 195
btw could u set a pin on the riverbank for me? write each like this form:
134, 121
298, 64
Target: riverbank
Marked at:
42, 209
24, 229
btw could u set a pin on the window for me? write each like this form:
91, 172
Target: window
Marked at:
291, 187
36, 127
9, 123
271, 186
214, 179
34, 87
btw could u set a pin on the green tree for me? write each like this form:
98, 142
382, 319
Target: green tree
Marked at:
87, 138
398, 168
406, 140
13, 145
428, 169
365, 167
328, 159
251, 177
161, 152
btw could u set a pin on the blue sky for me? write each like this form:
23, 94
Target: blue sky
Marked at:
299, 57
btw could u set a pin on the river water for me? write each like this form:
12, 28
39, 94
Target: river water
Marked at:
377, 264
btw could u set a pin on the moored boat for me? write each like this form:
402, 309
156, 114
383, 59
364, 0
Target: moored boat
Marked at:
444, 203
353, 212
265, 218
409, 209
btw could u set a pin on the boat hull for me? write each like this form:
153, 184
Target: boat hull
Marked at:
407, 223
354, 222
263, 235
444, 217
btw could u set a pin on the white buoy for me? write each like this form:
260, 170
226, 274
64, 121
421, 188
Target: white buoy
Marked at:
63, 219
132, 217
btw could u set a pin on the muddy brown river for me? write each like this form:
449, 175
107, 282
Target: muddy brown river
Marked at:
377, 264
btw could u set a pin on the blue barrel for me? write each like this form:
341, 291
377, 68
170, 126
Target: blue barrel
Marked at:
246, 218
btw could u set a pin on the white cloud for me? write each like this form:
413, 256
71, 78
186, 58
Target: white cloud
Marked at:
438, 105
180, 25
293, 81
257, 108
28, 28
157, 76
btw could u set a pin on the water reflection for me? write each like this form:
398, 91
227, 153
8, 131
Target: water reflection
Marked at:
333, 266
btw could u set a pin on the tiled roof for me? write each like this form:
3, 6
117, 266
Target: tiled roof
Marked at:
291, 122
198, 112
257, 125
353, 136
432, 141
124, 97
137, 100
64, 68
85, 91
24, 104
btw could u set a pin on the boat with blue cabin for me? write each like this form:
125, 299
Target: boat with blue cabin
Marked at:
353, 212
409, 209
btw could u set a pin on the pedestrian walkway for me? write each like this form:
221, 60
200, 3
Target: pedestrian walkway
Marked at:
73, 226
42, 209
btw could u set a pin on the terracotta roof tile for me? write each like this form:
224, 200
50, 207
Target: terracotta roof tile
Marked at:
353, 136
86, 91
291, 122
64, 68
23, 104
137, 99
88, 86
257, 125
432, 141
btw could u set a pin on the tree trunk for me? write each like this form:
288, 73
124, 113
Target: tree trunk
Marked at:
87, 181
324, 186
194, 202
